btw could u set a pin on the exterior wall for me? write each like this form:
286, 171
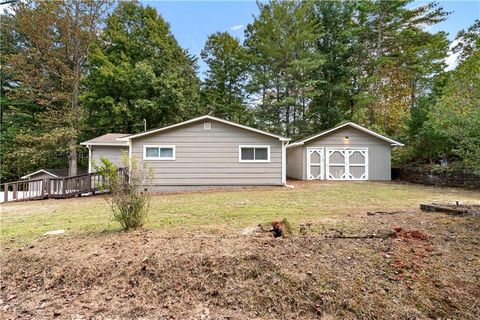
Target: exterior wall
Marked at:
379, 151
112, 153
210, 157
295, 162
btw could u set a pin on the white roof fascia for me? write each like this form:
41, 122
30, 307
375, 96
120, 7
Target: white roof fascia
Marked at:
103, 144
377, 135
33, 173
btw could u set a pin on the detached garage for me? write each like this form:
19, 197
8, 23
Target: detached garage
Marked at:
346, 152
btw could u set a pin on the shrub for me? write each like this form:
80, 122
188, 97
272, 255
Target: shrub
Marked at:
127, 197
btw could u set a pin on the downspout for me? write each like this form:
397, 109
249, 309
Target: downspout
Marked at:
89, 158
129, 159
284, 165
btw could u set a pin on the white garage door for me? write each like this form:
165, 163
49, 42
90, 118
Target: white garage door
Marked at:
315, 163
347, 163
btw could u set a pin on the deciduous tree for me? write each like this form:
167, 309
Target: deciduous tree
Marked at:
53, 40
138, 71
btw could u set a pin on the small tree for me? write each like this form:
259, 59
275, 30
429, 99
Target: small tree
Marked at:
127, 197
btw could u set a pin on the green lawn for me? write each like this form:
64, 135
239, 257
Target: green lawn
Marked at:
221, 212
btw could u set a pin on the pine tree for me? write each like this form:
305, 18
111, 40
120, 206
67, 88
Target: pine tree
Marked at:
223, 89
397, 59
337, 34
282, 56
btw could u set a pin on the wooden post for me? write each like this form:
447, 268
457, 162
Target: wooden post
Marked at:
15, 189
42, 185
5, 190
48, 187
64, 187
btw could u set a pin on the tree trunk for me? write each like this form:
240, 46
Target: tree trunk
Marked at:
72, 157
72, 145
378, 49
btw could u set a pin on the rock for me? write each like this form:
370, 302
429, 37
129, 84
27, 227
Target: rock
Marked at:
54, 232
251, 230
442, 208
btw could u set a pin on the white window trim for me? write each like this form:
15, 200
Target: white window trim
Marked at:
145, 146
253, 146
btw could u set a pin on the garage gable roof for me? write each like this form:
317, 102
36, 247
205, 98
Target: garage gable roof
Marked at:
392, 142
133, 136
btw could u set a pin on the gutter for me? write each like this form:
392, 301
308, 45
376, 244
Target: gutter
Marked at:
285, 184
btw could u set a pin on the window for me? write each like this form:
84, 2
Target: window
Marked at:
207, 126
254, 153
158, 152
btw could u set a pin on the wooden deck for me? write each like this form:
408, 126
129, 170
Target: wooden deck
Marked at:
84, 184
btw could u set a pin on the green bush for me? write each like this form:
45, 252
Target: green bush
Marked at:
127, 197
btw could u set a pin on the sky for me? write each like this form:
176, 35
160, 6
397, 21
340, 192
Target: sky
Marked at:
193, 21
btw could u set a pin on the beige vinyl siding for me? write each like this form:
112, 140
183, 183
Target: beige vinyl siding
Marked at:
112, 153
210, 157
379, 151
295, 163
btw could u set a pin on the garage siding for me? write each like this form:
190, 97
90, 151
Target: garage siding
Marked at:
210, 157
379, 151
294, 163
112, 153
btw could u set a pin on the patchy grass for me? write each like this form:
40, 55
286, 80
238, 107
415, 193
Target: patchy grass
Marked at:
191, 262
222, 212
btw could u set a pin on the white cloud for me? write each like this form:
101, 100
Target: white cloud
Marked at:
237, 27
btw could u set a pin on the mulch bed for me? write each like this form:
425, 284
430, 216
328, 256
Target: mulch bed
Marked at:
428, 268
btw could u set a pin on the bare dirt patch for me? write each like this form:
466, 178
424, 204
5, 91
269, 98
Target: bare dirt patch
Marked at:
428, 268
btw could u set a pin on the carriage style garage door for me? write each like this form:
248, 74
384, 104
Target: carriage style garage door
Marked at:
315, 163
347, 163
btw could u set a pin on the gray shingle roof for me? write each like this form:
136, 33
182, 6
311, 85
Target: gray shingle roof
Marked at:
60, 173
107, 139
